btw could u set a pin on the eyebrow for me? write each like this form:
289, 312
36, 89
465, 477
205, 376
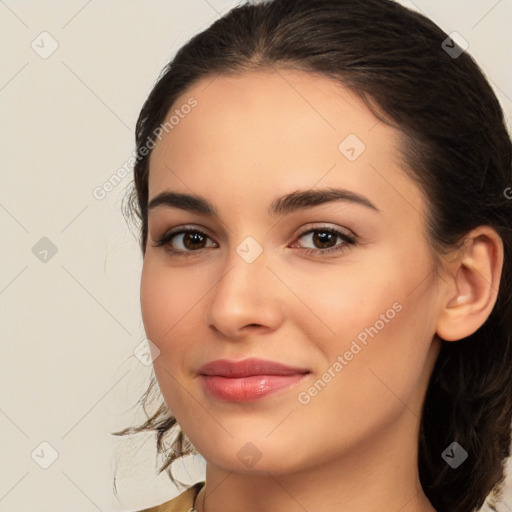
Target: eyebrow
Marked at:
298, 200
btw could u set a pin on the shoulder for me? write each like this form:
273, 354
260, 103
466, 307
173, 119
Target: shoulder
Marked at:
184, 502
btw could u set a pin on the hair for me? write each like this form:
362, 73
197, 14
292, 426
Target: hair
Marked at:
456, 147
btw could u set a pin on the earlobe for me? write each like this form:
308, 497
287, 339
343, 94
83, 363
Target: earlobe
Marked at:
472, 286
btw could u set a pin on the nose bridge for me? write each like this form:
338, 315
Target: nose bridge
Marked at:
245, 266
243, 296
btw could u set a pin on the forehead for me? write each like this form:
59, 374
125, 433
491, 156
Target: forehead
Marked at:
256, 106
275, 130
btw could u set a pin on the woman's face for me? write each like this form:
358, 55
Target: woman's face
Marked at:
271, 277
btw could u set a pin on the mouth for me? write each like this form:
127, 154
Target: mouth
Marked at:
248, 379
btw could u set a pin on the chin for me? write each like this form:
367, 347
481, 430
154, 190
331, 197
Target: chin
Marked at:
261, 467
258, 457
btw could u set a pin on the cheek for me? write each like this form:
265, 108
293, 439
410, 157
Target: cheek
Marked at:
389, 368
339, 301
378, 317
167, 297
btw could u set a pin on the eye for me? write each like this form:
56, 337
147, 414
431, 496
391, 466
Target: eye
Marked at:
190, 240
325, 238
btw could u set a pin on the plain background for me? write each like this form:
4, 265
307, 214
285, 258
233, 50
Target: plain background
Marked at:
71, 316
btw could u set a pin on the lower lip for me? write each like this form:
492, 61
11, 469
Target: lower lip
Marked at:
244, 389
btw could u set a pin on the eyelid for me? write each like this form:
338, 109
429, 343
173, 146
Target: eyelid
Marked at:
317, 226
300, 232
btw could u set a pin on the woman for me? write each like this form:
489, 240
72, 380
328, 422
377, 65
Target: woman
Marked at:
326, 230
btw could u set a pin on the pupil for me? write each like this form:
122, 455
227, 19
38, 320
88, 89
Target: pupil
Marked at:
325, 237
194, 238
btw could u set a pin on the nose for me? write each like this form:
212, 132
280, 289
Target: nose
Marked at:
247, 298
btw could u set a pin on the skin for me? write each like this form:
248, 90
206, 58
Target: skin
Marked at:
252, 138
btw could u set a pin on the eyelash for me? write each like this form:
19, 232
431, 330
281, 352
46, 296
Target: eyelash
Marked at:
348, 240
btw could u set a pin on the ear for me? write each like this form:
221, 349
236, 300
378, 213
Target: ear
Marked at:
472, 285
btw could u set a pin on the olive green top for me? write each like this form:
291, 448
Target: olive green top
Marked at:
184, 502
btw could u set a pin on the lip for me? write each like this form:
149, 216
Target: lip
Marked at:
248, 379
248, 368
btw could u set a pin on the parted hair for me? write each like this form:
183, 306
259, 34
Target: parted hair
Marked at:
455, 146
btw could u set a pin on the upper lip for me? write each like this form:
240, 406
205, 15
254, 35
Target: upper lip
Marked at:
248, 367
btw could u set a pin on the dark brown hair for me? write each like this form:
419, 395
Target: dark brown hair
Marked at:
456, 147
